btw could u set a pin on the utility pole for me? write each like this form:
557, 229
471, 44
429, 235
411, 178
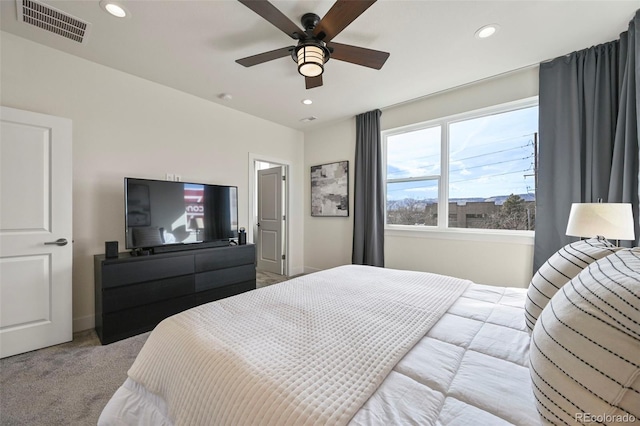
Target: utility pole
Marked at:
535, 175
535, 161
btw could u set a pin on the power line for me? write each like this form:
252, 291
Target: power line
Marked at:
467, 158
391, 176
491, 153
492, 164
494, 175
486, 144
457, 181
508, 139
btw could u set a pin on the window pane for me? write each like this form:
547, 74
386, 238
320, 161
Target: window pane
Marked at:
413, 203
492, 171
414, 154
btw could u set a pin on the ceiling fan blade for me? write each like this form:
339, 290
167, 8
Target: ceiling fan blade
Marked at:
358, 55
274, 16
250, 61
341, 14
311, 82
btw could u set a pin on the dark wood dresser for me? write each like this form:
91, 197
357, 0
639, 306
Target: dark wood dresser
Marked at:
133, 294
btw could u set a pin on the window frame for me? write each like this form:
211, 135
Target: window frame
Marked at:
442, 230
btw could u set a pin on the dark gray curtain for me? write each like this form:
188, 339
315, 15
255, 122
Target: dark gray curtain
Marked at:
588, 112
368, 217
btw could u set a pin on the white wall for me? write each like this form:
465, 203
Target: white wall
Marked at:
328, 240
495, 261
127, 126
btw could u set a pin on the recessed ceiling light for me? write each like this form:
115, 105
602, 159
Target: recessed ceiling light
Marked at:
114, 9
487, 31
307, 101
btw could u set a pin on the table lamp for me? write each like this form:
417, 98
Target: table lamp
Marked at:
613, 221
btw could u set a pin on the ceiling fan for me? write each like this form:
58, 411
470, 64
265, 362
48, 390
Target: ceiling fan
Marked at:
314, 46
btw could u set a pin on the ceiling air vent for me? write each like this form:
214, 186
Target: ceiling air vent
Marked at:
53, 20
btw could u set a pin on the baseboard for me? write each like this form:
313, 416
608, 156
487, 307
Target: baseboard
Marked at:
84, 323
299, 270
310, 270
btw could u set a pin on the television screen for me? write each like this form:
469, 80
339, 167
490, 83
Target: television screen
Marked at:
161, 212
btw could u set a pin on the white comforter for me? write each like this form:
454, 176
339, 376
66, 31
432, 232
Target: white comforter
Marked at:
308, 351
469, 369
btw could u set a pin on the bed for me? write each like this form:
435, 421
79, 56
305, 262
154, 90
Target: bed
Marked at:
373, 346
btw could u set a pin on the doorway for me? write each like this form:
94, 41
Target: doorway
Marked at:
268, 211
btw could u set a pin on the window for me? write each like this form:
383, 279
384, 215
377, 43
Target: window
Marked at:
475, 170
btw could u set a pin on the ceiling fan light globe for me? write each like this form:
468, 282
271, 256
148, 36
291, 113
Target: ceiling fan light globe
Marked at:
310, 70
310, 60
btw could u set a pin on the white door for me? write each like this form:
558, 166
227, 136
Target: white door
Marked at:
270, 219
35, 223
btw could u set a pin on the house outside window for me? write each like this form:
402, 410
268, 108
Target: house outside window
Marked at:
476, 170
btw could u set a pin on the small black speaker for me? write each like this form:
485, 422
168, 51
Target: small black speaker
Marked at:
242, 237
111, 249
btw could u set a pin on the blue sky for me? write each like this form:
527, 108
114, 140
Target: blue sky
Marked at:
489, 156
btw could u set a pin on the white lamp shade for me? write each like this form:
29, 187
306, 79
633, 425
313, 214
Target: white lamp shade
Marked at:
310, 61
610, 220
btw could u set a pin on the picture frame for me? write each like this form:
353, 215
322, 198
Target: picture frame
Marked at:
330, 190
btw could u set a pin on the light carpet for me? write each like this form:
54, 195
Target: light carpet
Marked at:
69, 384
66, 384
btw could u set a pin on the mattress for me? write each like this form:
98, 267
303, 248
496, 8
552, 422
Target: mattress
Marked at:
469, 368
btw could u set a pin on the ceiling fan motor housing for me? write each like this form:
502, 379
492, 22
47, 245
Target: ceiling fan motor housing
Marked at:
309, 21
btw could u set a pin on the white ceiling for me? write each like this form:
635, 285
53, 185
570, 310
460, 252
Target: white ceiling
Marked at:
192, 46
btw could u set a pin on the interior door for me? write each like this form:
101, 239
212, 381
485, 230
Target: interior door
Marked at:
269, 226
35, 231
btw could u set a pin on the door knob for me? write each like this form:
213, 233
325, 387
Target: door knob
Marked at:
58, 242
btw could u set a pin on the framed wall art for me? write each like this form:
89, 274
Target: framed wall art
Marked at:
330, 189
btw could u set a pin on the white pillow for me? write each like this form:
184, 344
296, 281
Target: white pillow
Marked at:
585, 347
565, 264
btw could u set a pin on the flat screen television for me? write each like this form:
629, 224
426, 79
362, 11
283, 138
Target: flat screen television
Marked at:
159, 213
